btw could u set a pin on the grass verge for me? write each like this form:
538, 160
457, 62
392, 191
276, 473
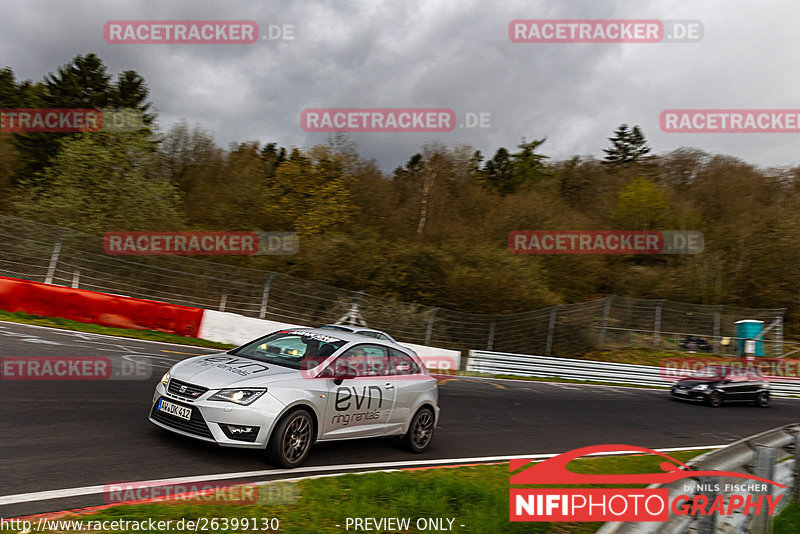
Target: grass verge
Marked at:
473, 496
788, 521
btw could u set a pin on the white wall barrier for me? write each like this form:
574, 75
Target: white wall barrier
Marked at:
235, 329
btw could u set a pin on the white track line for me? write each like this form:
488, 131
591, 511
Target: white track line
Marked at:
96, 490
113, 337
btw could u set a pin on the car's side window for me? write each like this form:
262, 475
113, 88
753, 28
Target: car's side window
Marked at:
401, 363
366, 360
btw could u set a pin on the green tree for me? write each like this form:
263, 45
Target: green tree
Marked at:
627, 146
82, 83
102, 181
309, 194
528, 166
641, 205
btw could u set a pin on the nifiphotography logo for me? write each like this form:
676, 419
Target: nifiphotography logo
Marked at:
624, 504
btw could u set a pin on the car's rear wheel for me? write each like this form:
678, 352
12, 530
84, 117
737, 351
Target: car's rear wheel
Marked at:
420, 431
291, 440
762, 399
715, 399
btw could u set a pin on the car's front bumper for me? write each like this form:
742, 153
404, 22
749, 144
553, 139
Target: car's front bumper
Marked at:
689, 395
208, 416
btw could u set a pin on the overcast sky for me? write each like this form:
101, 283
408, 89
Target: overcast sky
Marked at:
438, 54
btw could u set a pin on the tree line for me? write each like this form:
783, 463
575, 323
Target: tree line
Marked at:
432, 231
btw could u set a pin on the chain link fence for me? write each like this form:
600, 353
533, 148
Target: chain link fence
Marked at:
66, 257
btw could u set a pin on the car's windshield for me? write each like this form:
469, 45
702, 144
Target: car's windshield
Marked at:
297, 349
710, 372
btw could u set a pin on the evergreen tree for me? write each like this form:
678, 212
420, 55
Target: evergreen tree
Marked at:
627, 146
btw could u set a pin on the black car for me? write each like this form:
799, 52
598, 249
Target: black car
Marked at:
715, 385
695, 343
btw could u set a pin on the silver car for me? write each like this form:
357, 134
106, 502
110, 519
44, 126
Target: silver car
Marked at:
289, 389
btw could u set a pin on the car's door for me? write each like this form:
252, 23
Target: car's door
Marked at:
736, 386
410, 382
361, 406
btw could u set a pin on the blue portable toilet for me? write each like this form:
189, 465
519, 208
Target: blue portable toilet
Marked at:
748, 329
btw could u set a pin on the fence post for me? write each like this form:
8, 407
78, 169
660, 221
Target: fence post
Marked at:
490, 343
707, 524
604, 324
51, 269
223, 301
550, 329
76, 278
764, 468
265, 296
429, 329
657, 325
779, 334
715, 346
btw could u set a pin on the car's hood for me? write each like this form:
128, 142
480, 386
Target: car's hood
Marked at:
691, 382
226, 370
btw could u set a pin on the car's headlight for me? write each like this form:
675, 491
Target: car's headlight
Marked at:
701, 387
165, 379
238, 396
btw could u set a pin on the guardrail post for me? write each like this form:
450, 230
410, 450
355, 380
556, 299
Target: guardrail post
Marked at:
715, 347
606, 311
764, 468
429, 328
657, 325
490, 343
76, 278
550, 329
707, 524
51, 269
265, 296
223, 301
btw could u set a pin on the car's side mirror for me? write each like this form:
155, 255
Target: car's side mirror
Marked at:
348, 373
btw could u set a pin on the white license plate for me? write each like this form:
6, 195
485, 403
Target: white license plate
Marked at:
174, 409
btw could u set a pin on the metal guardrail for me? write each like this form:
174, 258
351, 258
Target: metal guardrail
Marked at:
774, 455
501, 363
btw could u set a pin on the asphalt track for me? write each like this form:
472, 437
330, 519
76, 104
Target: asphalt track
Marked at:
68, 434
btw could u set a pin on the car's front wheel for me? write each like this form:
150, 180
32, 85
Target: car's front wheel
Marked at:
291, 440
420, 431
715, 399
762, 399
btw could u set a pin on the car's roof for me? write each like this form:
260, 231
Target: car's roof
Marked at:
347, 336
348, 327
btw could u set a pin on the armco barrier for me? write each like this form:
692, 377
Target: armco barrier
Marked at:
500, 363
749, 456
98, 308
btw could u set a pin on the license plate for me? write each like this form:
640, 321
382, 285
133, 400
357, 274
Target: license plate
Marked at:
174, 409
